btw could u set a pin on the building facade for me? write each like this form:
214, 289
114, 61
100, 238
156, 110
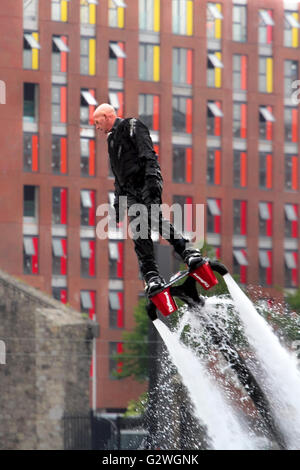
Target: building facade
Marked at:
216, 82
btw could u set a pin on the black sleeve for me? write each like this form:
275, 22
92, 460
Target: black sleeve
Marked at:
145, 148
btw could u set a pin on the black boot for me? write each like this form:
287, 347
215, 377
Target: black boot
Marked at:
154, 282
192, 257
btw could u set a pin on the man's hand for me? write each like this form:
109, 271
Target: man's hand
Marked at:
151, 192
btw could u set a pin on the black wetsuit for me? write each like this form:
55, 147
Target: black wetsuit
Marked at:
135, 166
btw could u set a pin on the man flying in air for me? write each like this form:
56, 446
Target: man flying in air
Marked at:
138, 176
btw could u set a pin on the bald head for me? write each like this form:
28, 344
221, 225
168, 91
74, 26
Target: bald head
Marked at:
104, 117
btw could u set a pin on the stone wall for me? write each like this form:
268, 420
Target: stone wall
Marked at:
46, 375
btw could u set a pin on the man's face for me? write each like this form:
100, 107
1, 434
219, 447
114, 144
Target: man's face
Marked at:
102, 123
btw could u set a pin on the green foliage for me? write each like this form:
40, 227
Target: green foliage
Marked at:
293, 300
137, 407
135, 356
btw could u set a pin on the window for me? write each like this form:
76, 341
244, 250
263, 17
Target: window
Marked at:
239, 23
87, 56
59, 256
265, 26
116, 309
59, 104
87, 252
240, 264
266, 120
87, 208
265, 170
265, 267
59, 154
59, 206
59, 53
213, 172
149, 15
149, 111
59, 10
30, 103
31, 49
214, 118
30, 255
88, 105
213, 215
182, 114
30, 12
116, 260
182, 14
240, 217
291, 172
116, 13
183, 218
290, 75
291, 124
88, 302
182, 66
149, 62
239, 72
214, 69
115, 364
30, 202
182, 164
265, 74
291, 269
60, 294
87, 157
116, 60
214, 19
291, 29
291, 220
30, 152
88, 11
239, 169
265, 219
240, 120
116, 99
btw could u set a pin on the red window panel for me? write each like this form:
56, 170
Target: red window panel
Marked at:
120, 363
243, 270
217, 218
188, 165
156, 150
155, 113
64, 296
63, 206
269, 222
294, 125
63, 259
120, 262
243, 72
92, 310
92, 157
218, 167
270, 29
63, 104
243, 169
92, 245
217, 121
120, 313
91, 107
243, 218
189, 214
218, 252
295, 223
121, 61
269, 276
120, 95
189, 111
63, 56
92, 209
295, 173
35, 257
244, 121
295, 270
269, 171
35, 162
63, 155
189, 67
269, 125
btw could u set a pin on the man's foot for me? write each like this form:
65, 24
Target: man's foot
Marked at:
154, 282
192, 257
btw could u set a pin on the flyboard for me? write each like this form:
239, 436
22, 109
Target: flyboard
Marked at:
163, 300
